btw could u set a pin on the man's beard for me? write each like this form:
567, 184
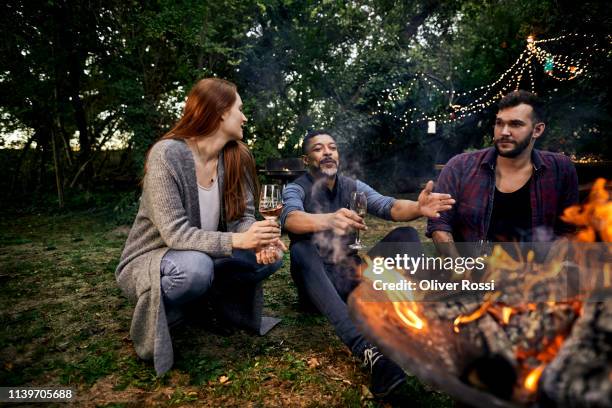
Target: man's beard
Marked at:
328, 172
518, 148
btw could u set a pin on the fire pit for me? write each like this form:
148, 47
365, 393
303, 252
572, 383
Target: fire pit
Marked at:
545, 340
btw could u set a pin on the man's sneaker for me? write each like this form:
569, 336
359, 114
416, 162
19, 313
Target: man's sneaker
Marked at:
386, 375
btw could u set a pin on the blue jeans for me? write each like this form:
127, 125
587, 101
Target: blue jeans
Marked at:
328, 286
187, 275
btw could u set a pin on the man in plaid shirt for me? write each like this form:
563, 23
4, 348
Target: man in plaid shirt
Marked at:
509, 192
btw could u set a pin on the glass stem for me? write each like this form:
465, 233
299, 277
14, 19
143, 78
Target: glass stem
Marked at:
357, 240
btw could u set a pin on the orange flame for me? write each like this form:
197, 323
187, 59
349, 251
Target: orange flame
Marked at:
503, 313
544, 357
475, 315
531, 381
403, 305
405, 312
594, 217
506, 314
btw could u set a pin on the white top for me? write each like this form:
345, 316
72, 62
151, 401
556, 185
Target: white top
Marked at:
210, 206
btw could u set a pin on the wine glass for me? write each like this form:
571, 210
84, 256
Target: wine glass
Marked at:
359, 204
270, 203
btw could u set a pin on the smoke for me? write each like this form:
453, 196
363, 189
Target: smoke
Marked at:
332, 247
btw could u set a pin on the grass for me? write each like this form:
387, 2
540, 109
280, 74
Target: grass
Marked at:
65, 323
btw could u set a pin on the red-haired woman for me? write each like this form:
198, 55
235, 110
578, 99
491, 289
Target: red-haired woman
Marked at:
196, 224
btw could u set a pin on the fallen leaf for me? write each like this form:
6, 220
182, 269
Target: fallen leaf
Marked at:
365, 393
313, 362
223, 379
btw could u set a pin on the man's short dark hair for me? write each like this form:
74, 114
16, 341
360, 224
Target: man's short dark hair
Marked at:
515, 98
310, 135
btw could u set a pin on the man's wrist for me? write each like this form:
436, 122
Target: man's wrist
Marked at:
325, 222
419, 211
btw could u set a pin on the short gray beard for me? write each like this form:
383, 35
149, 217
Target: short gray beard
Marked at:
329, 172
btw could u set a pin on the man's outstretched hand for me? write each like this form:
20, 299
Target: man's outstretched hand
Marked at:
431, 204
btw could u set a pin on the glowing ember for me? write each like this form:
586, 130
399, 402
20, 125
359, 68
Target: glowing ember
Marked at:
477, 314
531, 382
506, 314
502, 313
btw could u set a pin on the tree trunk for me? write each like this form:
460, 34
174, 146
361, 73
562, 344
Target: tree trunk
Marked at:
58, 173
43, 147
22, 155
81, 122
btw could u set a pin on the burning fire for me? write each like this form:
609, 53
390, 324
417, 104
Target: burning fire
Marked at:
595, 221
545, 357
499, 311
530, 355
403, 303
477, 314
594, 217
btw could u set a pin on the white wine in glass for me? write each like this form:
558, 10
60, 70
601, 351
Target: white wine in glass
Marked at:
270, 201
270, 204
359, 204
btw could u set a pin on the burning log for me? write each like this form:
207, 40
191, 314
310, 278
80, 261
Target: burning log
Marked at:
430, 350
581, 374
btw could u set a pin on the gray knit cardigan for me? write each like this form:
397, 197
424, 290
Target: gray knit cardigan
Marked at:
168, 217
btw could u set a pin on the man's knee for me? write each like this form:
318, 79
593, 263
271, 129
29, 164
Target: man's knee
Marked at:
305, 260
402, 234
302, 250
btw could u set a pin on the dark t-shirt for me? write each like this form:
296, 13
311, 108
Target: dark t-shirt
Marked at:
511, 217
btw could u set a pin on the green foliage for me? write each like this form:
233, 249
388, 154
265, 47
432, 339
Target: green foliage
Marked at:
89, 369
353, 67
203, 368
126, 208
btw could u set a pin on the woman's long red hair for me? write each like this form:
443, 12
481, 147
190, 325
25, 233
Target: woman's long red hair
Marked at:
207, 101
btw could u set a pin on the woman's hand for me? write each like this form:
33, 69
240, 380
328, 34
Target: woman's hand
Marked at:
271, 253
259, 234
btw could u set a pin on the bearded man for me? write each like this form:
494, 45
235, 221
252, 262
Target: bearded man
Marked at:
510, 192
321, 227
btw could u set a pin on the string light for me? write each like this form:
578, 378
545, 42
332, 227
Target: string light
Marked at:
531, 78
559, 67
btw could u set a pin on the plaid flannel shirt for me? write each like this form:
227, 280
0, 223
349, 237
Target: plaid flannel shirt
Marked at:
470, 179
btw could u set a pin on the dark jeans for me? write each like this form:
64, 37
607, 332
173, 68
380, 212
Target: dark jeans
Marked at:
327, 286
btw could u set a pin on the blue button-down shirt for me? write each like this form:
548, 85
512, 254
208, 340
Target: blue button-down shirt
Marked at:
378, 204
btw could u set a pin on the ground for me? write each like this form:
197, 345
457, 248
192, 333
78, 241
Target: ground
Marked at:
65, 323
